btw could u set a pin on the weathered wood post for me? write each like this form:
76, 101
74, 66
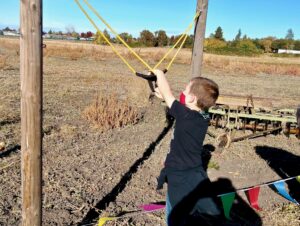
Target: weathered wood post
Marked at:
199, 34
31, 65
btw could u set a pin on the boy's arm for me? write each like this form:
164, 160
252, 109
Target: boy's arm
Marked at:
164, 88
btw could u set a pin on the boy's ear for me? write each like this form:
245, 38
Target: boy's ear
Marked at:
194, 99
191, 99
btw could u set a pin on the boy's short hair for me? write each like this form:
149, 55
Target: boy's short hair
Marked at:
206, 92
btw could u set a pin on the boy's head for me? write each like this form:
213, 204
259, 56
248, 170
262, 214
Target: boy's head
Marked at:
201, 93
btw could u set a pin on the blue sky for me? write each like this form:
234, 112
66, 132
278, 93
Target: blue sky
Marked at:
256, 18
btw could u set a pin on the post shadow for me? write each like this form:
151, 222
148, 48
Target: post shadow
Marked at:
10, 150
92, 214
285, 164
241, 213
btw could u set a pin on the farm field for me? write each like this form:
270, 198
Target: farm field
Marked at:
89, 171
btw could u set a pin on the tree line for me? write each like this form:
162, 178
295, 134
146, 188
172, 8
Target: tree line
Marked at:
243, 45
146, 39
215, 43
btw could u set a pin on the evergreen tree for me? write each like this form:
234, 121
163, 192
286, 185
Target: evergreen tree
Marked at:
238, 36
245, 37
290, 35
219, 33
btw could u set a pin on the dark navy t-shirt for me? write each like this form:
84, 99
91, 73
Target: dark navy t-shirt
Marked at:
188, 136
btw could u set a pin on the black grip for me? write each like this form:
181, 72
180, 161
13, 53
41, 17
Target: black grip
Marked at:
151, 77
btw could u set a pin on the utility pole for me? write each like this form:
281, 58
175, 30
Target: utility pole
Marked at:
31, 67
199, 36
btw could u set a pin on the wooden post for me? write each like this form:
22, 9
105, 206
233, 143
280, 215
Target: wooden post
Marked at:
31, 110
199, 35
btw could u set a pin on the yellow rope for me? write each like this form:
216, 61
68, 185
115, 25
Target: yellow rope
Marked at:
171, 62
130, 49
117, 35
183, 34
169, 51
105, 38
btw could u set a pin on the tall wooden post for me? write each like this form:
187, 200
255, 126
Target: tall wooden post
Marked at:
199, 34
31, 110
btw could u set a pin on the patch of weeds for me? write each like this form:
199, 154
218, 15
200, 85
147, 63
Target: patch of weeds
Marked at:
213, 165
108, 112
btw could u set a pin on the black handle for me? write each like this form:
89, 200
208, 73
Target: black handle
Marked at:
151, 77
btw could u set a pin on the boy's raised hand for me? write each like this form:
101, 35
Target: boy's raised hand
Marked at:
158, 73
163, 87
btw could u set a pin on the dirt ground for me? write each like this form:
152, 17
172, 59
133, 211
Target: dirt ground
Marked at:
87, 173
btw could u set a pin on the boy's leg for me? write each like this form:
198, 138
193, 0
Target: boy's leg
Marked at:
168, 208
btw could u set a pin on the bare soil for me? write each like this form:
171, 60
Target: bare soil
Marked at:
87, 172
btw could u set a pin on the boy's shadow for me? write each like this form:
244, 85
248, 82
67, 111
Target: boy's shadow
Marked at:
285, 164
241, 213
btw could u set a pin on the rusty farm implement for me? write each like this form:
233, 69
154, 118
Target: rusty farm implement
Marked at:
240, 113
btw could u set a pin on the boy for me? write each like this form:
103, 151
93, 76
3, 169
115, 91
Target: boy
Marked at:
183, 170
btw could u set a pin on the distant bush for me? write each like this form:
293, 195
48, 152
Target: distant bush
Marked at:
297, 45
280, 44
244, 47
109, 113
247, 46
214, 43
265, 44
99, 38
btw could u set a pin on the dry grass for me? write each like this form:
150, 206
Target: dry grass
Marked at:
235, 65
215, 63
9, 43
219, 64
76, 51
70, 178
109, 113
3, 62
135, 90
285, 215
